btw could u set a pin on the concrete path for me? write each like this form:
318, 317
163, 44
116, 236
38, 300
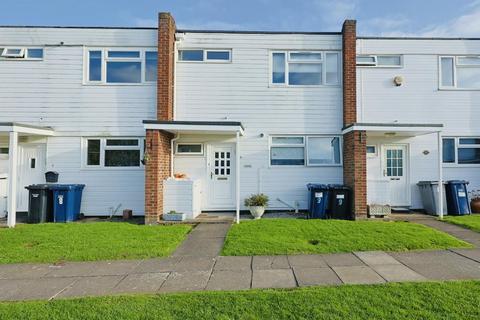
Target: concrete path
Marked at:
197, 266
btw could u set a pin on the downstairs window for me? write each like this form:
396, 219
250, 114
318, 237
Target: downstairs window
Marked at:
114, 152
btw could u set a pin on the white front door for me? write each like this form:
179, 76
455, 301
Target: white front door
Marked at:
221, 177
31, 170
395, 170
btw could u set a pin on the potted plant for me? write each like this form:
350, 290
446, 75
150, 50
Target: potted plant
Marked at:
173, 216
475, 201
257, 204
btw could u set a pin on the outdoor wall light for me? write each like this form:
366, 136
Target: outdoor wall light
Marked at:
390, 134
398, 81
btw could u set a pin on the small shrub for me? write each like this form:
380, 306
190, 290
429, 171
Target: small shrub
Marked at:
257, 200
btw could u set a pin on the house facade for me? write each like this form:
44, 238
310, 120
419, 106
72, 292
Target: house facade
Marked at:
122, 110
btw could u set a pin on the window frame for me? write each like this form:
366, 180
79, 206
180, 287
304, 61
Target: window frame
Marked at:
321, 61
306, 162
375, 63
201, 153
24, 53
104, 147
370, 154
205, 54
455, 66
104, 56
457, 146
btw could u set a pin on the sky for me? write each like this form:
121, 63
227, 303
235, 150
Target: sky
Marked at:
458, 18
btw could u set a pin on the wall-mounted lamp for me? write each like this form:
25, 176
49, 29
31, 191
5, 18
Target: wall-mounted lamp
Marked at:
398, 81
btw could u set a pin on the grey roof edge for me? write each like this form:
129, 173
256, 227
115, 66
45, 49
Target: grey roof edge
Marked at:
259, 32
398, 125
77, 27
201, 123
414, 38
11, 124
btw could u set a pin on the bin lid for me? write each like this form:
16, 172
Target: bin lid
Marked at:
338, 187
423, 183
458, 182
38, 187
311, 186
66, 186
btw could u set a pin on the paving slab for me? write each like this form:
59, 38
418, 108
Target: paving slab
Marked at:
274, 278
205, 230
210, 247
358, 275
195, 264
374, 258
141, 283
157, 265
316, 276
96, 268
473, 254
91, 286
230, 280
398, 273
24, 271
234, 263
307, 261
32, 289
185, 281
342, 260
270, 262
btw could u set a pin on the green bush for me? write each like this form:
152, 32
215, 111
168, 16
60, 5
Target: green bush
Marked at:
257, 200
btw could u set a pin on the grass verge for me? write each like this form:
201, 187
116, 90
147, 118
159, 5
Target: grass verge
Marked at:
54, 242
470, 221
432, 300
289, 236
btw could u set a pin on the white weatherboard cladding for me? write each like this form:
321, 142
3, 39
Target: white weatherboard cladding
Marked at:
240, 91
50, 93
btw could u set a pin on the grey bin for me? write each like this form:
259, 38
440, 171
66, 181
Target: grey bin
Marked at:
429, 194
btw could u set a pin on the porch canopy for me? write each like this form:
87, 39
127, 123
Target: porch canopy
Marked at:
15, 130
206, 127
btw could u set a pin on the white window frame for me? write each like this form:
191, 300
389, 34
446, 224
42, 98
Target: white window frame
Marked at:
322, 61
205, 51
460, 146
23, 56
374, 154
104, 147
306, 162
104, 52
455, 66
189, 153
376, 65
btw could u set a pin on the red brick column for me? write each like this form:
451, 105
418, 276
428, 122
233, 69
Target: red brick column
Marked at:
354, 143
158, 152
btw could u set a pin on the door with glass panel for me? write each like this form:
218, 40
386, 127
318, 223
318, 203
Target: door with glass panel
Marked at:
221, 177
395, 170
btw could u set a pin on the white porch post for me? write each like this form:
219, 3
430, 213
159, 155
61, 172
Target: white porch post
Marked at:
12, 180
440, 175
237, 176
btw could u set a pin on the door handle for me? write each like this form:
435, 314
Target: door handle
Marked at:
211, 175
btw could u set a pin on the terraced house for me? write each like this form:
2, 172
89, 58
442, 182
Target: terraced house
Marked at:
122, 110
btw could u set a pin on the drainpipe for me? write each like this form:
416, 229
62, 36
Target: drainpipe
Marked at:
177, 136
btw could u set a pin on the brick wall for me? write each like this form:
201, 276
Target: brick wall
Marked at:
354, 143
158, 147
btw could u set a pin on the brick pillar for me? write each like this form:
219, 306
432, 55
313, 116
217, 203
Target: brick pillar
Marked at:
157, 167
354, 143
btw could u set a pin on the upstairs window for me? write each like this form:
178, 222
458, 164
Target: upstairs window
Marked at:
305, 68
113, 152
383, 61
200, 55
461, 150
459, 72
21, 53
118, 66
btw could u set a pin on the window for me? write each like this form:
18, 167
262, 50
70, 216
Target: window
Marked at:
323, 150
189, 148
4, 153
379, 60
371, 151
21, 53
121, 66
460, 72
200, 55
461, 151
114, 152
305, 150
305, 68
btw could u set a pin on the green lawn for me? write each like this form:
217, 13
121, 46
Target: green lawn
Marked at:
471, 221
295, 236
54, 242
433, 300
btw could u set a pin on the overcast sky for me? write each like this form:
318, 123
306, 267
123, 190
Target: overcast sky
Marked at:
375, 17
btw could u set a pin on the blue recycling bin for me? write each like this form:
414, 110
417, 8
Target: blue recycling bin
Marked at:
319, 195
457, 197
67, 200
